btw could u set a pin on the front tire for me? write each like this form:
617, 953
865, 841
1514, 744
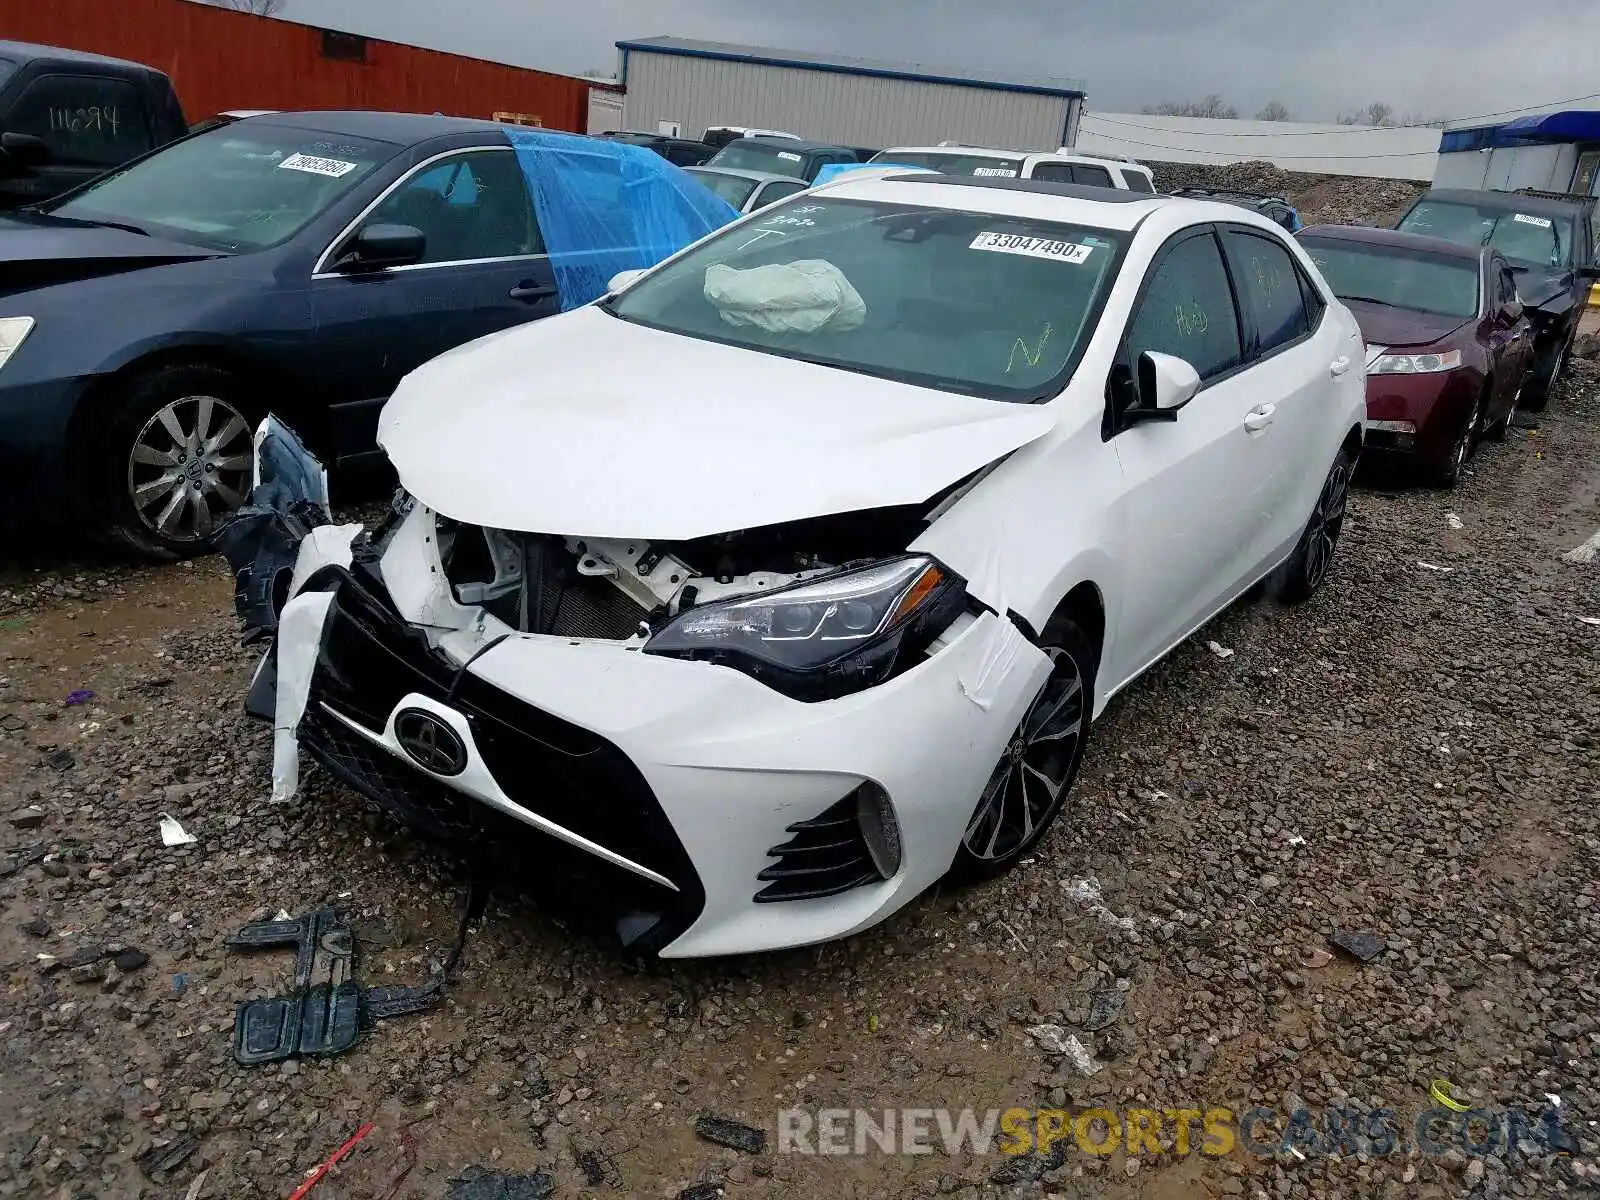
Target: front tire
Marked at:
1448, 474
1304, 571
1549, 368
172, 462
1029, 785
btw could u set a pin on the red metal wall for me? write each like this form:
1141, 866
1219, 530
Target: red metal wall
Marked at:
220, 60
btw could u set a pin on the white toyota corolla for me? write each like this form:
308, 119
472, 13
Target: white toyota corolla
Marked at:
786, 580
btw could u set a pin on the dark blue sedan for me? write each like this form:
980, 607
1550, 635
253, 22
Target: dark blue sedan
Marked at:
301, 263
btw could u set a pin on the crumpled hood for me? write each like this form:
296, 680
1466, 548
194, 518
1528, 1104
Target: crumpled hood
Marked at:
1544, 289
587, 425
39, 252
1382, 325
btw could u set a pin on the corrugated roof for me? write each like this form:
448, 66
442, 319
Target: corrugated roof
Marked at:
843, 65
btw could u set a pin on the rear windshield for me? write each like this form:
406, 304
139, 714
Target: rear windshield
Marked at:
772, 157
953, 162
967, 302
1397, 277
1528, 239
735, 189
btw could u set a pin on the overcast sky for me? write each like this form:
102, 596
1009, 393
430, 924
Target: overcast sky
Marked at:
1431, 57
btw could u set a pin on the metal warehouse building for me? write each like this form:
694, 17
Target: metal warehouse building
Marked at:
1550, 151
850, 101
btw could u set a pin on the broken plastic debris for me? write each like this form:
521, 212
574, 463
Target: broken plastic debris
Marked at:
332, 1161
1104, 1008
1318, 958
1056, 1040
1087, 893
1296, 840
163, 1159
1361, 946
1219, 650
1443, 1091
1452, 520
477, 1183
82, 696
173, 834
733, 1134
297, 644
1590, 620
1428, 566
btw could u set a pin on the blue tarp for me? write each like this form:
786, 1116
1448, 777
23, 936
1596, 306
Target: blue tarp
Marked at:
606, 206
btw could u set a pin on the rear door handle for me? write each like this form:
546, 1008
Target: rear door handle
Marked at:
1260, 416
1339, 365
532, 291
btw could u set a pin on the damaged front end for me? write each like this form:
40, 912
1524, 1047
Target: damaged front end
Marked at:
388, 663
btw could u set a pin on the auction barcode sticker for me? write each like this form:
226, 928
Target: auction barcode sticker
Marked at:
1033, 247
1541, 222
1001, 172
333, 168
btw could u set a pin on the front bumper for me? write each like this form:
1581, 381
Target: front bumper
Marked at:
1433, 404
34, 467
674, 779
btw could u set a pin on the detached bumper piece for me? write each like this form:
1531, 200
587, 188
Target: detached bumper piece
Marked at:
371, 660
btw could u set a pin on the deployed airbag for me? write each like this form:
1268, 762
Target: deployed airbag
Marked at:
808, 296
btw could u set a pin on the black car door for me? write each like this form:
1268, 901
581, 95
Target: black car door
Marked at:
89, 123
484, 269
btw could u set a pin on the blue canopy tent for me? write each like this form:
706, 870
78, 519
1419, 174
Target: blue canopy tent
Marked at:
606, 206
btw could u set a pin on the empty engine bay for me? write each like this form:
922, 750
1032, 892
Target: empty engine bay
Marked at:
620, 590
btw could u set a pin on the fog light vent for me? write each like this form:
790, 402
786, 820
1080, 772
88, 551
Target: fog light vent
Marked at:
853, 843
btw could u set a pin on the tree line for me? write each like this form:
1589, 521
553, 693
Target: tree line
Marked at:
1376, 114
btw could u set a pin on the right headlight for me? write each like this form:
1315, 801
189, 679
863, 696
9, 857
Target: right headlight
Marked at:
13, 332
825, 637
1415, 364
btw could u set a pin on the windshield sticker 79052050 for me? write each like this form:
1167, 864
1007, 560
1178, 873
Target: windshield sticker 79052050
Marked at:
1541, 222
1033, 247
311, 164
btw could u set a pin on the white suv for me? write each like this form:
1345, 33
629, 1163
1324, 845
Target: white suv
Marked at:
1055, 167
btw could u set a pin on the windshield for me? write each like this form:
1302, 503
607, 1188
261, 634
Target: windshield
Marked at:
953, 163
241, 186
1529, 239
1397, 276
760, 156
735, 189
966, 302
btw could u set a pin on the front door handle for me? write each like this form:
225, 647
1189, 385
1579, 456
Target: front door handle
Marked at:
533, 291
1260, 416
1339, 365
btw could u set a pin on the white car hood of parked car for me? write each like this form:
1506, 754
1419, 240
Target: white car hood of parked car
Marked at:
588, 425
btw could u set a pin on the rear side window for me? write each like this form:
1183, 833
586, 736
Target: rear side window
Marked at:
1270, 285
85, 121
1138, 181
1188, 310
1093, 176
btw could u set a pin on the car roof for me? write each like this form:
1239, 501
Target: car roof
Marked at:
399, 128
1393, 237
1230, 194
996, 152
789, 145
1106, 208
1509, 201
21, 52
741, 173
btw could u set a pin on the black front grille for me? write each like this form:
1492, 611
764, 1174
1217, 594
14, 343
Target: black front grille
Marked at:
827, 855
370, 660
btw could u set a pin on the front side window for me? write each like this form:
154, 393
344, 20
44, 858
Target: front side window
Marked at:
954, 162
1267, 276
1052, 172
967, 302
1188, 310
469, 206
84, 120
1529, 239
242, 186
1397, 276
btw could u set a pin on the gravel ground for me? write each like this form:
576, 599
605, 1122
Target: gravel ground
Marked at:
1412, 754
1319, 199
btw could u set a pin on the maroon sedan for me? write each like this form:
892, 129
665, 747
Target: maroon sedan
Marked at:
1448, 347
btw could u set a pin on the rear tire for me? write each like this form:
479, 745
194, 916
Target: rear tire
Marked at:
1030, 784
171, 461
1300, 575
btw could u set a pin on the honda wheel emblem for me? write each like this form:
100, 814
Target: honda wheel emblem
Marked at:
429, 742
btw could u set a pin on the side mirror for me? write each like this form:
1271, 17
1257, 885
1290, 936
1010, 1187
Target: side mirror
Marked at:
1510, 312
380, 246
1586, 274
1166, 384
622, 279
24, 150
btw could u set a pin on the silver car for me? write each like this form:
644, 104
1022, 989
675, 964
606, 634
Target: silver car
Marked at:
747, 190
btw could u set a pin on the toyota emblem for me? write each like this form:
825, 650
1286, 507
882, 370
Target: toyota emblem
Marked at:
429, 742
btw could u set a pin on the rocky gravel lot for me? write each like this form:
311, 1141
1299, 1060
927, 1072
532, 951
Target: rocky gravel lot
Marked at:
1319, 199
1413, 754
